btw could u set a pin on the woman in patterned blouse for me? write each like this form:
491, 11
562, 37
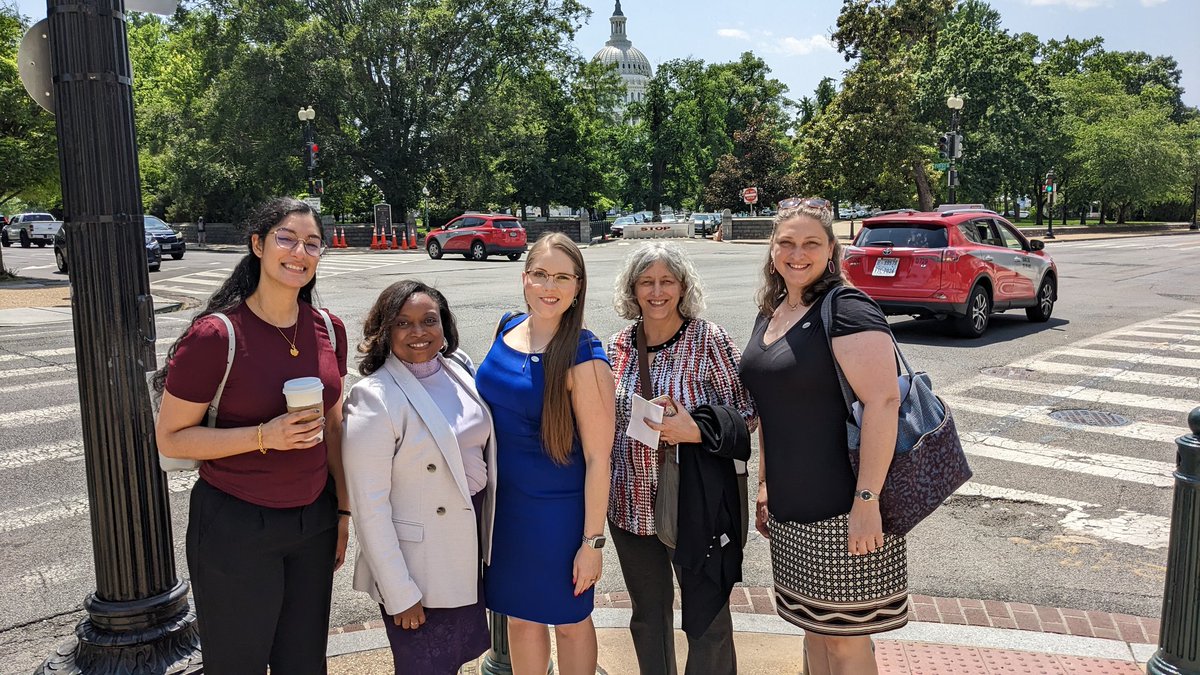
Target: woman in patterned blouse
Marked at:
695, 362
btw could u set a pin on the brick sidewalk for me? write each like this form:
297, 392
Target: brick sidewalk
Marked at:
914, 658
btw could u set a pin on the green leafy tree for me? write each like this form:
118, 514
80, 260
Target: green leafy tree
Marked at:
28, 141
767, 163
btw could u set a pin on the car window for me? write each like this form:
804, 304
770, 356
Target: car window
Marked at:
471, 222
37, 217
904, 235
1011, 240
970, 232
987, 232
506, 223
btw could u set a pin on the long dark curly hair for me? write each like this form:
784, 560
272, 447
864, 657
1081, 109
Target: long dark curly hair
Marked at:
243, 280
377, 328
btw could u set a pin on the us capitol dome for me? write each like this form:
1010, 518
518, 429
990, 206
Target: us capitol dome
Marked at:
631, 63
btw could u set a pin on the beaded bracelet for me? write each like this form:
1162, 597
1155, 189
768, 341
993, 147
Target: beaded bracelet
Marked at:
260, 441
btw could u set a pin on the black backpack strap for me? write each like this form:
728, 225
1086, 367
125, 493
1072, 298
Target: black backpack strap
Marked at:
504, 320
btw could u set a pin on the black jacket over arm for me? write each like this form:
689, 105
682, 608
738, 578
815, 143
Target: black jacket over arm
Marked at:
708, 512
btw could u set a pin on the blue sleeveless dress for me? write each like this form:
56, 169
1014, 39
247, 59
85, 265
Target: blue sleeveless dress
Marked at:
539, 504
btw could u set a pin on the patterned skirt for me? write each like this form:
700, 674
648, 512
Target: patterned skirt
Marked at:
821, 588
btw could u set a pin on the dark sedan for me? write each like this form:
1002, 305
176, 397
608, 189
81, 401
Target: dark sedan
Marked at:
171, 242
153, 250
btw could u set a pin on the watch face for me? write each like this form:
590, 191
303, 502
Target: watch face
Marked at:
598, 542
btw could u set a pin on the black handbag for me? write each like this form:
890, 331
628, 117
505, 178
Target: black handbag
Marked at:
929, 463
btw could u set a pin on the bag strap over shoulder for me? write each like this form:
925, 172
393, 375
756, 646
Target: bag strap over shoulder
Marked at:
827, 322
504, 319
328, 327
212, 407
645, 384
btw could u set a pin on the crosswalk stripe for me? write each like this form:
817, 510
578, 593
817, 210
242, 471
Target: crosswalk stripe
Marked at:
1129, 357
1116, 374
11, 459
1189, 248
199, 281
1120, 467
1140, 344
1091, 395
1157, 334
1129, 527
1183, 330
36, 370
62, 509
63, 351
37, 385
54, 413
1040, 414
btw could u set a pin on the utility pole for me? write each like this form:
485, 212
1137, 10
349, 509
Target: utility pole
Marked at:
138, 618
1050, 189
955, 104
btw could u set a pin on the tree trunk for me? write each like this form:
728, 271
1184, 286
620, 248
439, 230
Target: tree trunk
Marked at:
1005, 203
924, 193
1103, 212
1122, 212
545, 207
1195, 203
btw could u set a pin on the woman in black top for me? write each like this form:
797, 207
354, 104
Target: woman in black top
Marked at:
837, 575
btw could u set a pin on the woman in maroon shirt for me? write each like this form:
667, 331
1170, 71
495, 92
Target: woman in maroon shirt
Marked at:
264, 531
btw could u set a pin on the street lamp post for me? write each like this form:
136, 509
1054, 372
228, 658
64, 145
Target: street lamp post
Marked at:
1049, 188
138, 619
307, 115
425, 198
954, 103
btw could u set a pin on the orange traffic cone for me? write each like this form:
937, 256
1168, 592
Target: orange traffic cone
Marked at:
395, 244
404, 239
375, 239
337, 243
413, 246
342, 241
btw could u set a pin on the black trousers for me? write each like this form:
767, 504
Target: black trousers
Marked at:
262, 580
646, 566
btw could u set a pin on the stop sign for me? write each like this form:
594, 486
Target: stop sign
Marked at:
750, 195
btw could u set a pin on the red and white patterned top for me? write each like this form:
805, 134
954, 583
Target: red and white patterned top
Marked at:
698, 366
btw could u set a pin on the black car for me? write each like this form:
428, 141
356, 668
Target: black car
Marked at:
168, 238
153, 250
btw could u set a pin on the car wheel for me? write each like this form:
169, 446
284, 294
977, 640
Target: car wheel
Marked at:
4, 240
60, 260
24, 236
41, 244
979, 310
1045, 302
434, 249
478, 252
156, 267
514, 256
177, 256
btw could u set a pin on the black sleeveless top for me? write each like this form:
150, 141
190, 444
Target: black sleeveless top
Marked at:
800, 406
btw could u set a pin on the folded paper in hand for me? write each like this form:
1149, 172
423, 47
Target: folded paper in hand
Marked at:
643, 410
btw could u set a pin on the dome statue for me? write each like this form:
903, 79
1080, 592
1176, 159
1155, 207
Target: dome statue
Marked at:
630, 62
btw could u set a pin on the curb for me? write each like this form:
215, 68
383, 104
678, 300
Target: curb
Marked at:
37, 316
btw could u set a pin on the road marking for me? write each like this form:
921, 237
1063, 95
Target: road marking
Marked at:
1189, 248
1145, 344
62, 509
1117, 374
1156, 334
54, 413
39, 370
53, 575
1120, 467
188, 279
35, 385
1082, 393
12, 459
1137, 529
1040, 414
1183, 330
63, 351
1128, 357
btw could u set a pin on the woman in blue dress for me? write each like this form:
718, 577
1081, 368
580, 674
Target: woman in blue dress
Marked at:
551, 392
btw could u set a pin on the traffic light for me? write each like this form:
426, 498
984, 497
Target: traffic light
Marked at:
957, 149
944, 146
312, 155
318, 187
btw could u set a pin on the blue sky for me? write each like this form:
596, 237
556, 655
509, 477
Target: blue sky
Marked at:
793, 35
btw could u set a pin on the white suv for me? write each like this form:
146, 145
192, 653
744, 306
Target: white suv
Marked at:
30, 228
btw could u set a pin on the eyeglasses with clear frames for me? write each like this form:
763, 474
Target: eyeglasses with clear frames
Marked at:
541, 277
287, 240
810, 202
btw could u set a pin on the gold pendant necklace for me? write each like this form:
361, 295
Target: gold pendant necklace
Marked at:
295, 332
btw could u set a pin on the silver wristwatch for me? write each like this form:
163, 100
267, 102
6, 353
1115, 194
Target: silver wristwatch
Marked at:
596, 542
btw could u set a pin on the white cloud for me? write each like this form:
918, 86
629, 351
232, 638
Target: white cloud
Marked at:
792, 46
1073, 4
734, 33
1152, 3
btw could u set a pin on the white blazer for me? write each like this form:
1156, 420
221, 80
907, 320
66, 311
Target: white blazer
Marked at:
413, 516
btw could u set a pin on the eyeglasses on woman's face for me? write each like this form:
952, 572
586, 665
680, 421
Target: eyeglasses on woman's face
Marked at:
809, 202
541, 277
287, 240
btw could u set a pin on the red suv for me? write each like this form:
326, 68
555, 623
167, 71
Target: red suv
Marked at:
477, 236
960, 263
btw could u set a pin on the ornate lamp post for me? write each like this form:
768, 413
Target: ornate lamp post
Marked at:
1050, 187
954, 103
307, 115
425, 199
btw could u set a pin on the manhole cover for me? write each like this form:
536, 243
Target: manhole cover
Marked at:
1094, 418
1009, 373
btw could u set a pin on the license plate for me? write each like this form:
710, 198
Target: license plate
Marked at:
512, 235
885, 267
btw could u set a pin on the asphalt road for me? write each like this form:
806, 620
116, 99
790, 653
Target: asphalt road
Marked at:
1059, 513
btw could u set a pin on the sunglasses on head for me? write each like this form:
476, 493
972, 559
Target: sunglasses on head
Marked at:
810, 202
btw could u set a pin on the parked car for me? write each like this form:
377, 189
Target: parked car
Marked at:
706, 223
30, 228
153, 251
618, 227
168, 238
961, 264
477, 236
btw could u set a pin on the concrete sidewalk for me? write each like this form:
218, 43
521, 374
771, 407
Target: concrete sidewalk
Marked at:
945, 636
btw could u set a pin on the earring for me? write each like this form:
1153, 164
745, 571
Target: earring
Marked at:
831, 266
575, 301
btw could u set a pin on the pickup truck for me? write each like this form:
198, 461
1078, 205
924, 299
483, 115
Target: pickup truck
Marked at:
30, 228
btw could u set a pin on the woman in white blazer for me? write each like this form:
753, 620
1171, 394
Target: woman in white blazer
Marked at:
420, 456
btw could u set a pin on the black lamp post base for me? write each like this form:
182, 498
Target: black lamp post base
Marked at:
1158, 665
1049, 234
156, 635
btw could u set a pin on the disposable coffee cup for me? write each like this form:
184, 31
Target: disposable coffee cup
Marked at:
306, 393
